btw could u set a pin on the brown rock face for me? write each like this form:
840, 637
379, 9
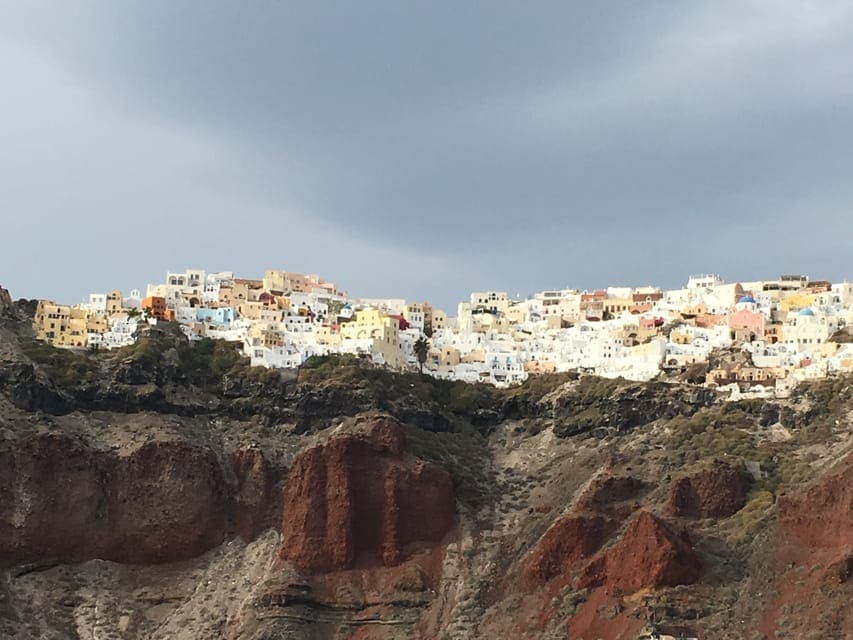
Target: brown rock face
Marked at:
813, 563
361, 498
570, 540
5, 302
613, 495
258, 500
822, 515
716, 492
60, 498
649, 555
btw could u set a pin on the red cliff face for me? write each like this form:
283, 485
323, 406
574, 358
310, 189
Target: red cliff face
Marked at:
360, 499
577, 535
813, 556
159, 502
258, 499
569, 541
716, 492
821, 515
649, 555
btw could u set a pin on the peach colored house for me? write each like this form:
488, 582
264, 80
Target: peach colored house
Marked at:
156, 306
536, 367
747, 322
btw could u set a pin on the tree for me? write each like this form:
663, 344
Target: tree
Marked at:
421, 348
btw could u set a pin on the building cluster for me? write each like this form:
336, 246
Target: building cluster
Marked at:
776, 332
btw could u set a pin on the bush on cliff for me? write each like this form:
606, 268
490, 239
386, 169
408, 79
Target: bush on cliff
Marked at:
64, 366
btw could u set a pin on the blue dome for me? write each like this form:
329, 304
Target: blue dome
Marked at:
806, 312
749, 299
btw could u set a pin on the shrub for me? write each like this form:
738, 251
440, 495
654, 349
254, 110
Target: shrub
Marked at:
63, 366
743, 525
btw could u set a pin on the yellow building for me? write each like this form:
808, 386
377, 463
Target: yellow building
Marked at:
275, 280
365, 323
287, 282
617, 306
115, 302
680, 337
516, 313
50, 320
439, 320
328, 334
633, 334
387, 344
473, 357
66, 326
538, 367
796, 300
448, 356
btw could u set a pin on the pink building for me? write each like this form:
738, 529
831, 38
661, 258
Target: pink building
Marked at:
744, 318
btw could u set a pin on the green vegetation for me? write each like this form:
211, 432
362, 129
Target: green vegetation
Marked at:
329, 365
421, 349
735, 431
206, 361
456, 397
201, 362
457, 452
743, 525
536, 387
148, 349
64, 366
828, 399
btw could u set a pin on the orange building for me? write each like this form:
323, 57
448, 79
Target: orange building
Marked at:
156, 307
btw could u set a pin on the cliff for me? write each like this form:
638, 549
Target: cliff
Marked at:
361, 498
170, 491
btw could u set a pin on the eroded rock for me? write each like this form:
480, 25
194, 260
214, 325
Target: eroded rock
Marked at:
716, 492
822, 514
361, 498
648, 555
570, 540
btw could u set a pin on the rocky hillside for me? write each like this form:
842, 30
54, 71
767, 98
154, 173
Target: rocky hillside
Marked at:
168, 490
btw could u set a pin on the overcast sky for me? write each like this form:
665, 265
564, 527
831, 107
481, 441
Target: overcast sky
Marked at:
424, 149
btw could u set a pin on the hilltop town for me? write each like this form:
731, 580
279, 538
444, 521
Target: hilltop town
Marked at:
759, 337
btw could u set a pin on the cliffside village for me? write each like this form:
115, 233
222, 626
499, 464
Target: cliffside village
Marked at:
773, 333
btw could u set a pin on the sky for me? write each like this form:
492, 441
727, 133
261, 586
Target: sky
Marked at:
424, 149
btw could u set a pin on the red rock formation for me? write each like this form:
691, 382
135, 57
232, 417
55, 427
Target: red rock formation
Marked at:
165, 500
578, 534
604, 616
716, 492
614, 495
258, 500
59, 497
570, 540
821, 515
360, 497
649, 555
812, 555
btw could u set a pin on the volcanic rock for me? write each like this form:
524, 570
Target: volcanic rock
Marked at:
61, 498
648, 555
570, 540
716, 492
822, 514
258, 500
613, 495
6, 306
361, 498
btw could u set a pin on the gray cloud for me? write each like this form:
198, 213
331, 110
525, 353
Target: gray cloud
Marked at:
409, 149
